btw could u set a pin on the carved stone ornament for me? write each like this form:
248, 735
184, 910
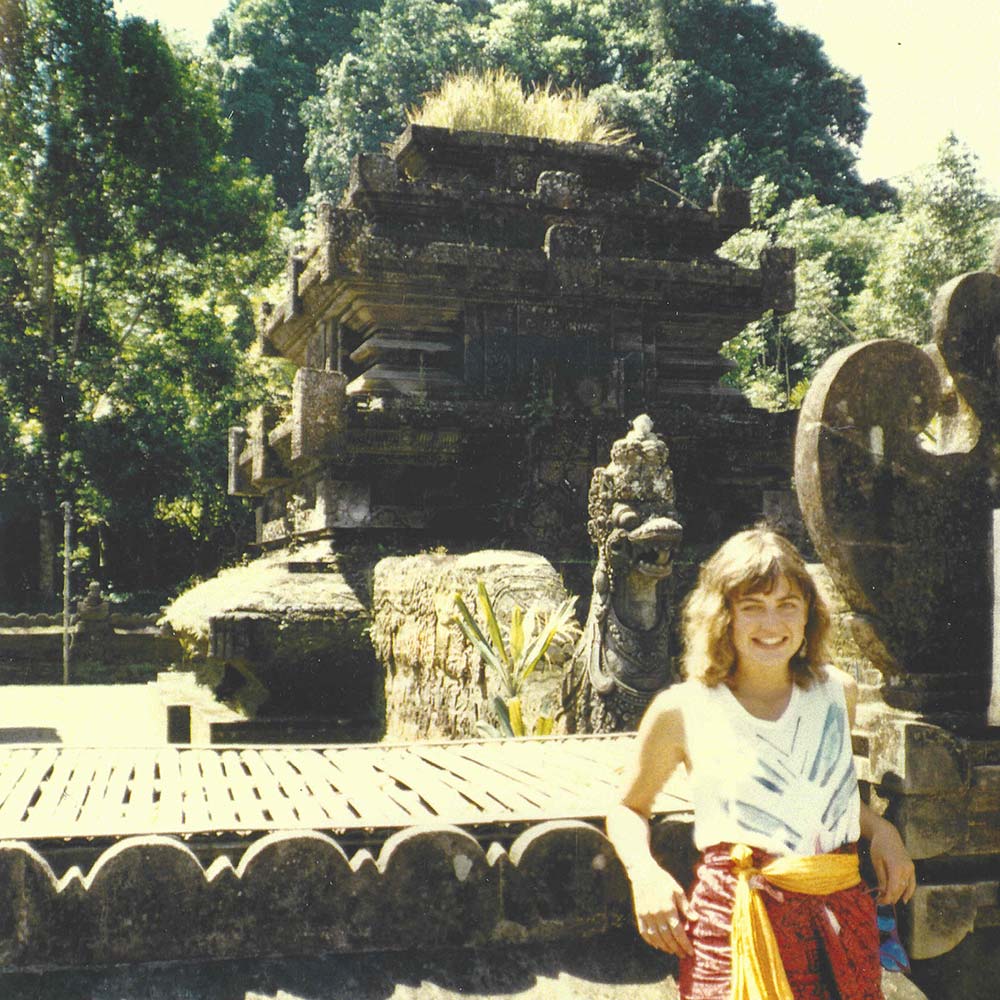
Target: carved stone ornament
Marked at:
93, 613
896, 470
623, 656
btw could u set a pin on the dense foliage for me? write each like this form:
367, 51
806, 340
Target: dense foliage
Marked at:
402, 50
861, 278
137, 185
127, 244
265, 55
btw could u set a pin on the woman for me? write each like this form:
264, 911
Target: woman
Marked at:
764, 729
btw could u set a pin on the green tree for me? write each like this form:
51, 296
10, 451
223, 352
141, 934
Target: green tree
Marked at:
744, 95
860, 277
152, 451
775, 357
947, 224
116, 205
403, 50
266, 54
582, 43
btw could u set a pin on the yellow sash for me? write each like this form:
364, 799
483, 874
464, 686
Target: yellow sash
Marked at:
758, 973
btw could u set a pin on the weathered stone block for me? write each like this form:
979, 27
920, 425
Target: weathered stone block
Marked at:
561, 188
931, 825
342, 504
28, 905
436, 890
298, 640
566, 873
293, 270
435, 684
296, 893
265, 467
145, 896
371, 173
916, 758
239, 480
942, 915
566, 241
235, 637
318, 416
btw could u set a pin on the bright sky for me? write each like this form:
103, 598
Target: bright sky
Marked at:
929, 66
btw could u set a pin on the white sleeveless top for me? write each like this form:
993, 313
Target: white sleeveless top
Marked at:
787, 786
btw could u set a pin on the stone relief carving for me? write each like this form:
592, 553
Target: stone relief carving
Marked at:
623, 656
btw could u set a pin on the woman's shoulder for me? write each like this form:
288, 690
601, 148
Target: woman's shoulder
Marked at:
835, 676
839, 684
683, 695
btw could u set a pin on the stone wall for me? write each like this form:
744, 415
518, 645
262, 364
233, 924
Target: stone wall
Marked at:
151, 898
435, 685
430, 892
31, 648
118, 619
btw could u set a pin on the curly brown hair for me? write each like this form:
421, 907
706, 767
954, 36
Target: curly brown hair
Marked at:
750, 562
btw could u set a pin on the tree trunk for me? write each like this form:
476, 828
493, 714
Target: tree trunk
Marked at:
49, 524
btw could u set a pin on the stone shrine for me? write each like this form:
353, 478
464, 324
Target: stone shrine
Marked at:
474, 326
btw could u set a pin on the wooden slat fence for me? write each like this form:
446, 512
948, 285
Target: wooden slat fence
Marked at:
70, 792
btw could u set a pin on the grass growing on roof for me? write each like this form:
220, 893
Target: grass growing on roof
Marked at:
495, 101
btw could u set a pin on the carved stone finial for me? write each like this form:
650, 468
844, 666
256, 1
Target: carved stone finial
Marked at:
896, 471
623, 657
638, 468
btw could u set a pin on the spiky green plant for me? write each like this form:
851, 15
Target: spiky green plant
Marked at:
514, 659
495, 101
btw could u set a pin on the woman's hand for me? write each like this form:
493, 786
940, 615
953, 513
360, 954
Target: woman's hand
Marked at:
897, 879
661, 909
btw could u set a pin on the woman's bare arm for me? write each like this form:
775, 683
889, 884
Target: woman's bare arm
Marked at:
659, 900
893, 866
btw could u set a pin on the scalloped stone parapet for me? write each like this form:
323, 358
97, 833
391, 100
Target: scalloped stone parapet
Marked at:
432, 887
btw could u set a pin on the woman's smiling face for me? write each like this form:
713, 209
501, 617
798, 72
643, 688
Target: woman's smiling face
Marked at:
768, 626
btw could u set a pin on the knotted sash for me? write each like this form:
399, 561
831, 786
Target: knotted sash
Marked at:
758, 972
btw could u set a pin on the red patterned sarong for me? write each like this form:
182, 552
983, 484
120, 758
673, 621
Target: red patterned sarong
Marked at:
828, 944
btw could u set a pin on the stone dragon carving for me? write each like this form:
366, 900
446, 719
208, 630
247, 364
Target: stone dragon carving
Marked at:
623, 656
